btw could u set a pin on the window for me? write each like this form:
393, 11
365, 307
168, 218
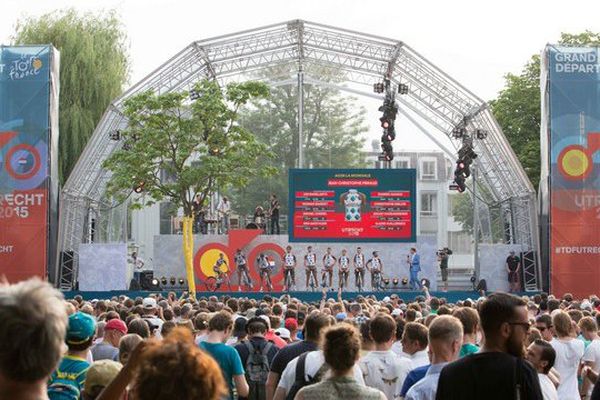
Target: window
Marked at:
428, 170
403, 163
166, 214
428, 204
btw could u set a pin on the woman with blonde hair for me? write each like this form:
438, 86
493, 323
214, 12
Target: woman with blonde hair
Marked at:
341, 347
569, 352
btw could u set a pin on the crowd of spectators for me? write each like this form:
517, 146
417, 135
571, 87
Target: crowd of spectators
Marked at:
497, 347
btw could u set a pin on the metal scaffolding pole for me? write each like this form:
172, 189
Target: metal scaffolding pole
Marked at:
300, 117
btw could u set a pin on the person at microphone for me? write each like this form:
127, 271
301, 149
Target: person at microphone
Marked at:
414, 263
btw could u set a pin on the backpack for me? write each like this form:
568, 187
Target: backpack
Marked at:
257, 370
62, 391
300, 381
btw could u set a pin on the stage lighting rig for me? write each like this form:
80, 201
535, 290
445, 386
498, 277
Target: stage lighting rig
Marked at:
115, 135
194, 95
140, 187
379, 87
480, 134
402, 88
466, 155
390, 111
458, 132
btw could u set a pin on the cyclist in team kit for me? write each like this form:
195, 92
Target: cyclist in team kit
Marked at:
220, 272
289, 267
329, 261
242, 270
344, 263
310, 266
264, 271
359, 269
375, 266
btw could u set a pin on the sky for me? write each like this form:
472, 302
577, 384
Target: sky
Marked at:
475, 42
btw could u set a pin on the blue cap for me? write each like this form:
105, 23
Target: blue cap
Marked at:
341, 316
81, 328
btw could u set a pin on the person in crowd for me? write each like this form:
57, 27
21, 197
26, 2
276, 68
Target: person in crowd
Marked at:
291, 324
542, 355
139, 327
98, 376
240, 331
108, 349
271, 335
274, 214
513, 266
445, 342
341, 351
569, 352
69, 377
220, 327
591, 356
382, 368
543, 323
314, 325
32, 332
414, 344
501, 371
256, 355
310, 267
470, 321
126, 346
174, 368
151, 315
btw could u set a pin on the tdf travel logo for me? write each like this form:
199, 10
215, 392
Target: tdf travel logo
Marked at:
575, 162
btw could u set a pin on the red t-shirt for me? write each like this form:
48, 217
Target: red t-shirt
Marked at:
279, 342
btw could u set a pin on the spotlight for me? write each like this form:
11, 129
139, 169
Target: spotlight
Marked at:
403, 88
155, 284
163, 280
140, 187
115, 135
386, 281
172, 281
194, 95
378, 87
425, 282
181, 281
404, 281
473, 279
458, 133
480, 134
395, 282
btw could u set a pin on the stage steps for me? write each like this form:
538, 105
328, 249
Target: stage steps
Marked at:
459, 279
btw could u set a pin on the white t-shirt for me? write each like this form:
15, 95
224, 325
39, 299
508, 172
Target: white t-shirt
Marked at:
568, 357
548, 389
592, 354
386, 371
397, 348
314, 360
419, 359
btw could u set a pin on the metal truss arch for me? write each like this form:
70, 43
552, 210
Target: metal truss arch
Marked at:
363, 59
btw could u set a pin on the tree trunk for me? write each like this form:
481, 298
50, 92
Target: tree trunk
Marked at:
188, 253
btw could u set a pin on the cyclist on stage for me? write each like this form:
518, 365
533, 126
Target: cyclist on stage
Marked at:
242, 270
220, 272
310, 266
289, 267
344, 263
375, 266
359, 269
329, 261
264, 271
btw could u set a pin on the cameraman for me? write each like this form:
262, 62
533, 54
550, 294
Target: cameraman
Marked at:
443, 255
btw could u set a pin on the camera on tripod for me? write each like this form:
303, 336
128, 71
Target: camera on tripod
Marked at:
443, 252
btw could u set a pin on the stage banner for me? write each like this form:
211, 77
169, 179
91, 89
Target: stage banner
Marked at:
352, 205
572, 105
28, 121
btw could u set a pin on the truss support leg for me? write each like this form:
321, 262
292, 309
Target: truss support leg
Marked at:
476, 265
300, 117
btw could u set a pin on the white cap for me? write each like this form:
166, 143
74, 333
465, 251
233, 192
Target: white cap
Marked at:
266, 319
386, 299
396, 312
149, 303
282, 333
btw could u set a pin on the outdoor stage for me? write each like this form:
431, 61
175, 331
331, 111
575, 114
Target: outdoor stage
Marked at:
407, 296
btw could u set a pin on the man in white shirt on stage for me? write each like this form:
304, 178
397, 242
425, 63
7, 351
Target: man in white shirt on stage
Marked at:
223, 209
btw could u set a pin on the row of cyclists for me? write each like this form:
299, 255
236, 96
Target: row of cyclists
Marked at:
265, 267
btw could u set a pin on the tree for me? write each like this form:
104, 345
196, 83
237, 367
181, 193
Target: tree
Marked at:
333, 126
94, 66
199, 146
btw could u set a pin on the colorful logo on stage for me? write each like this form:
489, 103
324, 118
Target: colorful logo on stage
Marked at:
23, 163
208, 255
575, 162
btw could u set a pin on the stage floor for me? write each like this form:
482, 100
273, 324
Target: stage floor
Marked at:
406, 295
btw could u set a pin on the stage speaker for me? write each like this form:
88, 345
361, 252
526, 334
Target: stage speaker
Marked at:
134, 285
146, 280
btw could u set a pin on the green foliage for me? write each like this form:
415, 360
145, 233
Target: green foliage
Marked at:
587, 38
332, 128
94, 66
177, 149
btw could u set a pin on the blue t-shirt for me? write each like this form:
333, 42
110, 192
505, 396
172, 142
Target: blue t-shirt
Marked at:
413, 377
229, 360
70, 374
